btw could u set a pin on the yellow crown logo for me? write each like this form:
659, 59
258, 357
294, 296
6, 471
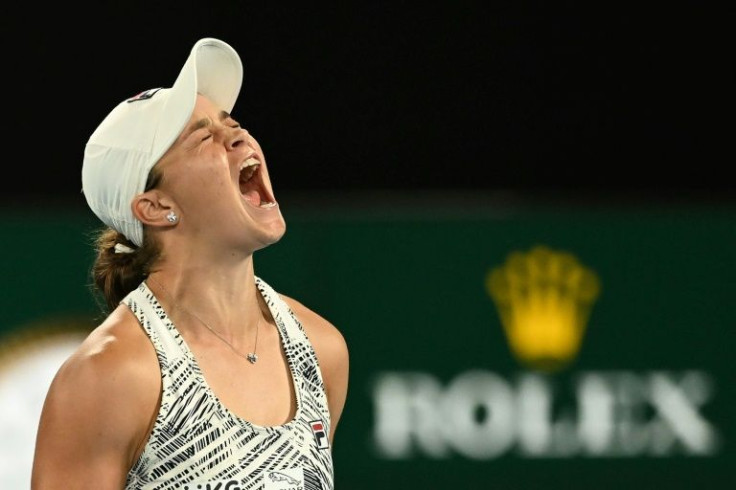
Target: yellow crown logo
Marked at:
543, 299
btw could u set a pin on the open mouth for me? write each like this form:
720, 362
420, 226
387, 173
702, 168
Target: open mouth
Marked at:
252, 187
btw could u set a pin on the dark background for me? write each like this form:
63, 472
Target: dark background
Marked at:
559, 98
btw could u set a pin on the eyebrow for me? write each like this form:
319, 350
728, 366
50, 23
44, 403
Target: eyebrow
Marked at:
204, 122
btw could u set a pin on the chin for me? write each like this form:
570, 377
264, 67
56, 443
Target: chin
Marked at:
273, 233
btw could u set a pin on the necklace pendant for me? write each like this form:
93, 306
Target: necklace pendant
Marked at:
252, 357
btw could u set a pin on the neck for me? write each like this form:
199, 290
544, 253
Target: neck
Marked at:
230, 304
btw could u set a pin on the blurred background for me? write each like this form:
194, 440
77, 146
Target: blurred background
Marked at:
519, 214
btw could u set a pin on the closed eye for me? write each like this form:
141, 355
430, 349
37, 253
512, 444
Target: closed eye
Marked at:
209, 134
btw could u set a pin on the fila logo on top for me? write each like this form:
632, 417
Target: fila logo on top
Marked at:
318, 429
543, 298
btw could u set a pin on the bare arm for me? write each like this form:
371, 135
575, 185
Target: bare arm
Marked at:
332, 355
98, 410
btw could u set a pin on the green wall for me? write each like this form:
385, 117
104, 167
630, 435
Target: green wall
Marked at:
438, 398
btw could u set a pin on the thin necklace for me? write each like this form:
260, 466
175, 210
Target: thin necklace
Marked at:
251, 356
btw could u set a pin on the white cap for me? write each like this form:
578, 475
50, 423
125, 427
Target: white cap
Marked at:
138, 131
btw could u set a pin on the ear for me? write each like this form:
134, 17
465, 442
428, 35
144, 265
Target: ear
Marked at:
152, 207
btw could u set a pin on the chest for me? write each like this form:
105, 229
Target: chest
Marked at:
264, 393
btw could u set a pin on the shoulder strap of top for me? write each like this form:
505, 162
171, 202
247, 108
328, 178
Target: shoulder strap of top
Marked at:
152, 317
296, 343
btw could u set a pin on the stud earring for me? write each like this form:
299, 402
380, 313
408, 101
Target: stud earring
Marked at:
172, 217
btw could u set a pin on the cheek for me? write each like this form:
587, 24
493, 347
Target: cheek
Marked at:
211, 185
201, 182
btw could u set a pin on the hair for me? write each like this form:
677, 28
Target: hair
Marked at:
114, 274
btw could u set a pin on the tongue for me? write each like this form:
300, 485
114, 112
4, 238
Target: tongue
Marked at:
253, 197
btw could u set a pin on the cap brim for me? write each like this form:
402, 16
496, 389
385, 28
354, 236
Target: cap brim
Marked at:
214, 70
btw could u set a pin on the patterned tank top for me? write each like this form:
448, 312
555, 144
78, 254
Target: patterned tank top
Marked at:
198, 444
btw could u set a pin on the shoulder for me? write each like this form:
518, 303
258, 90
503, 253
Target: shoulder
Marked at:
104, 394
118, 351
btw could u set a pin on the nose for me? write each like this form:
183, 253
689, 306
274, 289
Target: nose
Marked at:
238, 138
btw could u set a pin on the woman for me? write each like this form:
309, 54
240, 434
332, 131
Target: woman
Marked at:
201, 374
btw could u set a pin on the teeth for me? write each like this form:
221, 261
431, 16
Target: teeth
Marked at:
268, 204
251, 162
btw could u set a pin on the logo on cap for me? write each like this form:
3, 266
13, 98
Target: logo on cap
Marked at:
145, 95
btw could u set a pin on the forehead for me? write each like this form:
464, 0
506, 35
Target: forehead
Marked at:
205, 105
205, 114
204, 108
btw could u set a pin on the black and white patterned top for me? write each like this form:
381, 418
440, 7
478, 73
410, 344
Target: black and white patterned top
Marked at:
198, 444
